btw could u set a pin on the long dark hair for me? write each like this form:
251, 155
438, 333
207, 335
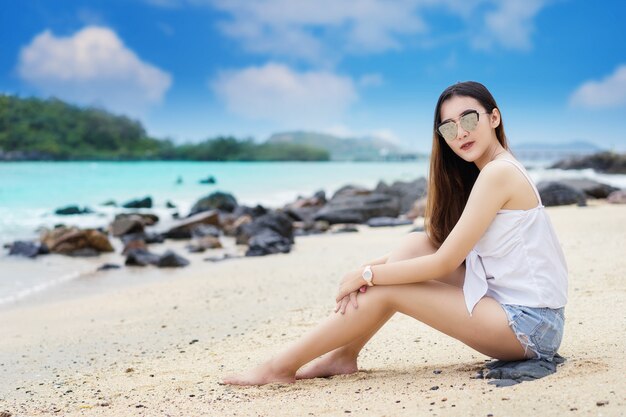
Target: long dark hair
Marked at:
451, 178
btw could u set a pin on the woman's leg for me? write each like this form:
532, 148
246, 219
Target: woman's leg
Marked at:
343, 360
436, 304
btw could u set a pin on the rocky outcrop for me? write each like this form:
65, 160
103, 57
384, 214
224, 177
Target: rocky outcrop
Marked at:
357, 206
555, 193
72, 210
276, 221
591, 188
268, 242
609, 162
145, 202
406, 192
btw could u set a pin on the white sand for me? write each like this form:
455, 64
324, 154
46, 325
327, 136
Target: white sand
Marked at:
129, 351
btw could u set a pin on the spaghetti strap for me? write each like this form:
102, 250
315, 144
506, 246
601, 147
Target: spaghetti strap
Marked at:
521, 168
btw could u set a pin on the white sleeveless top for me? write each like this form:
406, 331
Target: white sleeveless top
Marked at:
518, 260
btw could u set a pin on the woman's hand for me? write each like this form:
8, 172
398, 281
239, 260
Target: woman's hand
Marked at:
350, 283
349, 299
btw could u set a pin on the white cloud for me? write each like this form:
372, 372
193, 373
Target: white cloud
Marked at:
371, 80
92, 67
608, 92
276, 93
510, 24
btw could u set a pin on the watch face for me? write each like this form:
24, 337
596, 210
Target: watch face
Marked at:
367, 274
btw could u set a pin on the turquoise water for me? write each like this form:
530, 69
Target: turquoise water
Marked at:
31, 191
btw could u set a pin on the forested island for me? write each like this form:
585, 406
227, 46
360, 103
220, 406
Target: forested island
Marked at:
33, 129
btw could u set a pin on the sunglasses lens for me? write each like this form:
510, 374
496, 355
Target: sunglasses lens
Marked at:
469, 121
448, 131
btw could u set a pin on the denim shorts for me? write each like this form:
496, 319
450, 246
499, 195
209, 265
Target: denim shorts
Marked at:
539, 330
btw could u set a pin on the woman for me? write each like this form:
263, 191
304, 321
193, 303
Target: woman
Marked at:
489, 271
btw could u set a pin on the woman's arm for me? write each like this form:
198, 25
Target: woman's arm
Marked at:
377, 261
489, 194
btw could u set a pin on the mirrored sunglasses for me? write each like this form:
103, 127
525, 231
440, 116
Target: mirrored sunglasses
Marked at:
449, 129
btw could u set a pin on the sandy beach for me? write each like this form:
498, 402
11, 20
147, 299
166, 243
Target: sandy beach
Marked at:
161, 347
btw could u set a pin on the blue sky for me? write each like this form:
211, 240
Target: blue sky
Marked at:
193, 69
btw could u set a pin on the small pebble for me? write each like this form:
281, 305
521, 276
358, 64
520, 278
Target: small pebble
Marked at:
436, 387
601, 403
437, 371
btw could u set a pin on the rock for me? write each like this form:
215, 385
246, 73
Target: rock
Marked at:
73, 241
387, 222
406, 192
171, 260
513, 372
208, 180
106, 267
268, 242
84, 253
170, 205
418, 209
27, 249
141, 257
276, 221
231, 224
217, 200
345, 228
609, 162
591, 188
147, 237
203, 243
555, 193
359, 208
133, 244
182, 229
617, 197
72, 210
203, 230
253, 212
109, 203
126, 224
145, 202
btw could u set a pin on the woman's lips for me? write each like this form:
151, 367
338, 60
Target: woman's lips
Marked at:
467, 146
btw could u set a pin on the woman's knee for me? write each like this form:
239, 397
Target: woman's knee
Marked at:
413, 245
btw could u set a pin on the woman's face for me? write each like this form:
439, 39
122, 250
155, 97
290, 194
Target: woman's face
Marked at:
473, 144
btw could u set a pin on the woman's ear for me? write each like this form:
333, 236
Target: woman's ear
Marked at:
494, 118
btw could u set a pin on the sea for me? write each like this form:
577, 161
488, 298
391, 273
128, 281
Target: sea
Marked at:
30, 192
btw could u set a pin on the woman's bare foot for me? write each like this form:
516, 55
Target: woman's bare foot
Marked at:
329, 365
261, 375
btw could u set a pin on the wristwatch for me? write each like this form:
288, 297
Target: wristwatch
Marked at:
368, 275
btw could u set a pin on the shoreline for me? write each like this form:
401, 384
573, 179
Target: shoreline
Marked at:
161, 348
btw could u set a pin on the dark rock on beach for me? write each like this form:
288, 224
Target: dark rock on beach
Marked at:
182, 229
217, 200
387, 222
145, 202
406, 192
276, 221
253, 212
126, 224
268, 242
609, 162
508, 373
75, 241
27, 249
106, 267
72, 210
141, 257
353, 205
555, 193
171, 260
591, 188
147, 237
